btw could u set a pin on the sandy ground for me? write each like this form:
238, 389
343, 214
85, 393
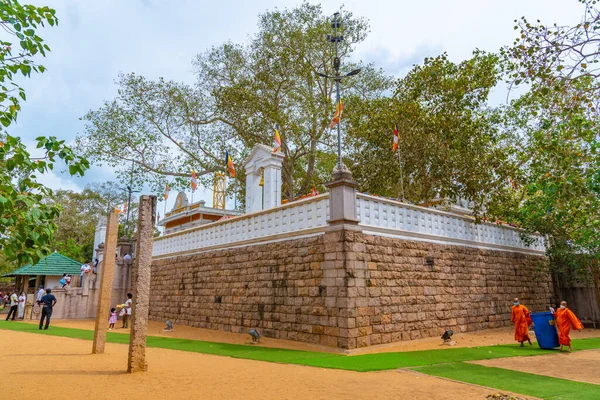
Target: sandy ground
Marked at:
58, 368
583, 366
472, 339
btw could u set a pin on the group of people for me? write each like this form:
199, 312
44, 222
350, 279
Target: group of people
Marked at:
125, 313
565, 319
16, 301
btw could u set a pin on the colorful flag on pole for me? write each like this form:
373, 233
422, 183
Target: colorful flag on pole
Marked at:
117, 210
395, 145
124, 211
158, 218
166, 195
276, 139
314, 192
230, 165
194, 181
338, 114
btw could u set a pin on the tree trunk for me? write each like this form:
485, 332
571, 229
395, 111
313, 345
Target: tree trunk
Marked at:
310, 169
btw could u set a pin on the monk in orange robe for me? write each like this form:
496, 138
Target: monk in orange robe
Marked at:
519, 318
564, 319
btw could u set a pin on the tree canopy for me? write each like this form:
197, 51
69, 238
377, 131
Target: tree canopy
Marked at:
27, 223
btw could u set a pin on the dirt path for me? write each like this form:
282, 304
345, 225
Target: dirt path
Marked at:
471, 339
583, 366
58, 368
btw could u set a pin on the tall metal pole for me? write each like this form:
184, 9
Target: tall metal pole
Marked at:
401, 171
337, 88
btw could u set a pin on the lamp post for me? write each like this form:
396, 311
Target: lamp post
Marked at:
336, 24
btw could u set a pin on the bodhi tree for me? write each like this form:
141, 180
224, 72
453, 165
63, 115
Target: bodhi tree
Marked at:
154, 131
559, 154
27, 222
273, 80
449, 147
166, 129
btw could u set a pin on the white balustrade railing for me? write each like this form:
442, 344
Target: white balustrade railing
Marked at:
293, 219
382, 216
377, 216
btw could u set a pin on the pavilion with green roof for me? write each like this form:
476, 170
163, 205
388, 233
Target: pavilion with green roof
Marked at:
47, 272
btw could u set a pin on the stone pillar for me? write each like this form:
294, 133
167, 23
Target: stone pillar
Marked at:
136, 361
25, 283
106, 282
342, 200
124, 246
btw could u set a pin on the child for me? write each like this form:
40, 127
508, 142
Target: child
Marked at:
63, 280
113, 319
68, 279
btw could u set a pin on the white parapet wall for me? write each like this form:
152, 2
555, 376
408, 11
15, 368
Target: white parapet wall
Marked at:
300, 218
385, 217
377, 216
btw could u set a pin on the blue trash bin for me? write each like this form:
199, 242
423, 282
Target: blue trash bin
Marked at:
544, 327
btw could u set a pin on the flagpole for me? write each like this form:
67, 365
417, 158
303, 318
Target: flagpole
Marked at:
401, 170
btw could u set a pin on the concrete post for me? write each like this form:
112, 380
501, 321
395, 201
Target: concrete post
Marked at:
106, 282
136, 361
342, 200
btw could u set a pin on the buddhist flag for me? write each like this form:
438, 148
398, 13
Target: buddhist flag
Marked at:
194, 181
338, 114
117, 210
276, 139
395, 145
158, 218
166, 195
314, 192
230, 165
124, 211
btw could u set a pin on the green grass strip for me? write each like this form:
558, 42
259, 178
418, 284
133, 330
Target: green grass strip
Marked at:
360, 363
544, 387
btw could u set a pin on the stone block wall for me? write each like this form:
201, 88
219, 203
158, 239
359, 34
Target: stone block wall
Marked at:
346, 289
274, 287
417, 289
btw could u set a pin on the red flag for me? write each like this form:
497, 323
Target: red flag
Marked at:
338, 114
395, 145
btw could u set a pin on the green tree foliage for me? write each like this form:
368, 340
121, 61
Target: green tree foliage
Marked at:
164, 128
26, 221
273, 80
167, 129
449, 145
557, 125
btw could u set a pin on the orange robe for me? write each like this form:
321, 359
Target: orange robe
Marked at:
564, 319
520, 320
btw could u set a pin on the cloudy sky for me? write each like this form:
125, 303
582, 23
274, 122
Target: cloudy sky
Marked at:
95, 40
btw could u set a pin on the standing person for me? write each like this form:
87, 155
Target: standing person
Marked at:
14, 303
63, 280
565, 318
21, 307
520, 315
127, 309
68, 279
41, 292
113, 319
85, 268
95, 268
48, 301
